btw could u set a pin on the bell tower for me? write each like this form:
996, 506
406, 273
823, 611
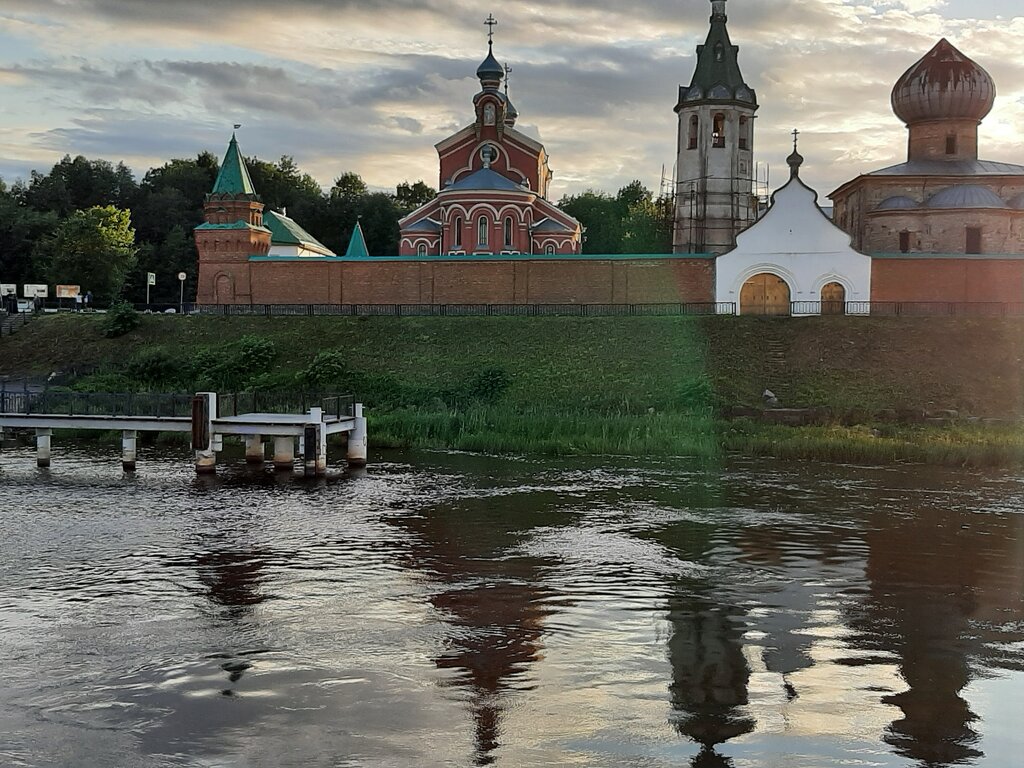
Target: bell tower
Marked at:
715, 148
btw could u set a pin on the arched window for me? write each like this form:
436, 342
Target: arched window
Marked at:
508, 232
719, 52
549, 250
744, 137
481, 232
718, 131
457, 232
694, 127
421, 250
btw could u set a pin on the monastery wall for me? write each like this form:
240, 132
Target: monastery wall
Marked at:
951, 280
497, 281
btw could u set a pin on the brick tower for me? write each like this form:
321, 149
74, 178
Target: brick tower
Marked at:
233, 232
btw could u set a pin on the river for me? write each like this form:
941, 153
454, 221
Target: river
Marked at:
455, 610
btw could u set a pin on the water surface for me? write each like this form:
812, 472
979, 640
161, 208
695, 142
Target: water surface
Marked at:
446, 609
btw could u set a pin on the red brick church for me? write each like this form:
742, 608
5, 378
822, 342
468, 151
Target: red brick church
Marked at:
494, 185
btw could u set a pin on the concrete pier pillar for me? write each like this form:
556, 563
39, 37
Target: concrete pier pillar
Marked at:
284, 452
204, 442
128, 444
43, 447
206, 462
255, 450
357, 440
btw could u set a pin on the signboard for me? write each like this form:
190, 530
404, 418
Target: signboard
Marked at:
151, 278
68, 291
182, 276
6, 289
33, 291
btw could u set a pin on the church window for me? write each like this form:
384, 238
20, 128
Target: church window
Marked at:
973, 240
744, 139
421, 250
951, 145
719, 52
488, 154
489, 118
904, 242
508, 232
457, 232
549, 250
718, 132
694, 127
481, 232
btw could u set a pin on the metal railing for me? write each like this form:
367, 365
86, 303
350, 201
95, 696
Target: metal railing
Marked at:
239, 403
9, 324
468, 310
909, 308
64, 403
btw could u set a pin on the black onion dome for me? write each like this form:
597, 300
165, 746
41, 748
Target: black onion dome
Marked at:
943, 85
490, 69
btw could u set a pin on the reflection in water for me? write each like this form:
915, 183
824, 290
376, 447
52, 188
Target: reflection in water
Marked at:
232, 578
709, 674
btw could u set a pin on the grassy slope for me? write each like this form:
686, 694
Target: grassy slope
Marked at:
566, 370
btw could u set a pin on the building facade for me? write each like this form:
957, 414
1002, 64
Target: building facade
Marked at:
493, 186
715, 147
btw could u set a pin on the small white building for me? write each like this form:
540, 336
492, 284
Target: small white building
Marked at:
794, 260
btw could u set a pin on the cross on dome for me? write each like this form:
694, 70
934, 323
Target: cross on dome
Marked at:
796, 136
796, 159
490, 22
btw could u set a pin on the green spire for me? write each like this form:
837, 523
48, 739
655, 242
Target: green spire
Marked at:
233, 178
357, 243
717, 76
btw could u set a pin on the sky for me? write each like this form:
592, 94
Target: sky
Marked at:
371, 85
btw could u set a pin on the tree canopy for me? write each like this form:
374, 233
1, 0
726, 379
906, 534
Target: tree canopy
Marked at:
631, 221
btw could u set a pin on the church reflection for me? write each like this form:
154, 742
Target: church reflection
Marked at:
495, 605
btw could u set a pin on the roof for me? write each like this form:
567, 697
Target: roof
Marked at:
285, 231
357, 244
897, 203
966, 196
717, 75
233, 178
485, 179
423, 225
550, 225
489, 69
234, 225
951, 168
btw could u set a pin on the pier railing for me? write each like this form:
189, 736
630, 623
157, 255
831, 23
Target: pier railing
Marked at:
339, 406
61, 402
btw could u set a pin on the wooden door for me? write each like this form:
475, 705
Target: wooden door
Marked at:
765, 294
833, 299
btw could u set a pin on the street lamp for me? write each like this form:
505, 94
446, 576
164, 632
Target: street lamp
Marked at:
181, 293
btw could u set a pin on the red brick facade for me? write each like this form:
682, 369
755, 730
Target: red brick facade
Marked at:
947, 280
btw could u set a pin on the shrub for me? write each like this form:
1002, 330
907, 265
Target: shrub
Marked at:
488, 384
121, 319
155, 368
326, 367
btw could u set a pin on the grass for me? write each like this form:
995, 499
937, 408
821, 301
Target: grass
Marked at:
563, 385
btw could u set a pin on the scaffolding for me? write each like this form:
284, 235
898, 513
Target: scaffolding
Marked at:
711, 210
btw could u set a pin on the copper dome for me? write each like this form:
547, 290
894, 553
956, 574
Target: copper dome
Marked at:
943, 85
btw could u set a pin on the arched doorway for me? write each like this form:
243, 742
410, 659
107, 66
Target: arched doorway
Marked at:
224, 291
833, 299
765, 294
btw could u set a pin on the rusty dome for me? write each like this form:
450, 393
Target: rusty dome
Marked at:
943, 85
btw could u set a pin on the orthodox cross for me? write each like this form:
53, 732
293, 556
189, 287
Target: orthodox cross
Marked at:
508, 71
796, 135
490, 23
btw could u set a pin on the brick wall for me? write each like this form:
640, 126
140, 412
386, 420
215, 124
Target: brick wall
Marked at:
967, 280
468, 282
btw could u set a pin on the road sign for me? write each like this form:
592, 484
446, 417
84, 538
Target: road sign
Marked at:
182, 276
151, 278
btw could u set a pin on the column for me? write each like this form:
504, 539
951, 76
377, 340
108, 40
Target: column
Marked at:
255, 451
357, 439
284, 452
204, 411
128, 443
43, 447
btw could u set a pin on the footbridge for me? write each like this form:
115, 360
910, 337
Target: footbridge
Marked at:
286, 419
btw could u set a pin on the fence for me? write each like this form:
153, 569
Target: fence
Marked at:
465, 310
62, 402
11, 323
238, 403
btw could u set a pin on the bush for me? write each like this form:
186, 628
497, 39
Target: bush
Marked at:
327, 367
488, 384
155, 368
121, 319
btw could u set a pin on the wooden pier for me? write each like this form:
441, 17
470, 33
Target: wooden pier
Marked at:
205, 416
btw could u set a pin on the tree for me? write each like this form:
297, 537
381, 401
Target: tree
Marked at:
282, 185
80, 183
20, 229
94, 249
601, 216
349, 187
647, 227
409, 197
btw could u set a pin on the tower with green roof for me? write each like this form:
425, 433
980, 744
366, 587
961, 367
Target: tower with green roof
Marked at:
233, 231
714, 165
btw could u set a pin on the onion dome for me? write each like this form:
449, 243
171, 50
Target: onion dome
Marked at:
490, 71
897, 203
966, 196
944, 85
794, 161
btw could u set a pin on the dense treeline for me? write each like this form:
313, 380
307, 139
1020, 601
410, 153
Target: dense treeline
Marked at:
91, 223
69, 225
